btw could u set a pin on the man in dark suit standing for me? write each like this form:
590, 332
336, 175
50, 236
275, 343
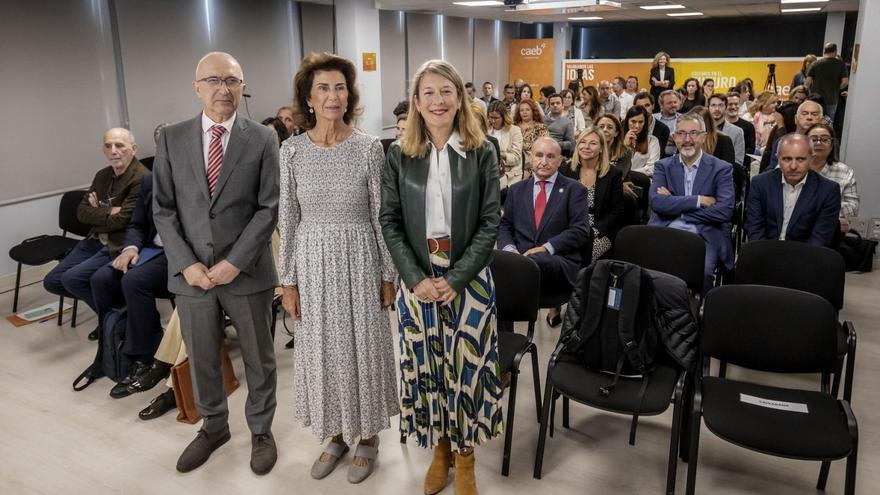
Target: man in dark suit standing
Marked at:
791, 202
693, 191
546, 218
215, 205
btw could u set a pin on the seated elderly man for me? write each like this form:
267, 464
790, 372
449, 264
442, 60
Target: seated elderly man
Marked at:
546, 218
792, 202
107, 207
693, 191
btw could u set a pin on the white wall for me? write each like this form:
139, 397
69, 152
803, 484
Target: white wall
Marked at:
357, 32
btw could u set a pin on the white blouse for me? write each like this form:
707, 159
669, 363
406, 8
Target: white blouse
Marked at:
644, 163
438, 190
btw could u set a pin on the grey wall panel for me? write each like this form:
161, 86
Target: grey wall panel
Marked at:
423, 39
392, 59
317, 28
458, 45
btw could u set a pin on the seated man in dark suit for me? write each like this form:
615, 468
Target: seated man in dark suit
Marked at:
135, 279
693, 191
792, 202
546, 218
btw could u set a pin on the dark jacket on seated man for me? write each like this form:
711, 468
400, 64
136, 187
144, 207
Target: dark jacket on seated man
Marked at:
564, 226
122, 191
813, 218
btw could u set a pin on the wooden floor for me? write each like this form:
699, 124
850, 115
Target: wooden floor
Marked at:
57, 441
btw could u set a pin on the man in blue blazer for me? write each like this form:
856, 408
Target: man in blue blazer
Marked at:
792, 202
546, 218
135, 279
693, 191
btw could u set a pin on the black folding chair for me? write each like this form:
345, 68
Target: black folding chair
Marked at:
42, 249
801, 266
747, 326
517, 282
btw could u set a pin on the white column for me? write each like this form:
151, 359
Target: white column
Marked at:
562, 45
834, 22
859, 143
357, 32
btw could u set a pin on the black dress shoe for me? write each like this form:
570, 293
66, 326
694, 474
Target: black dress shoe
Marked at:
163, 403
199, 450
149, 377
94, 334
263, 453
120, 390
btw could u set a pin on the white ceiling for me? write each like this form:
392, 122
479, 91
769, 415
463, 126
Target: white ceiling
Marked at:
629, 10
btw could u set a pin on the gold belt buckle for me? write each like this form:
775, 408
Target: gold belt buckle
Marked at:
433, 250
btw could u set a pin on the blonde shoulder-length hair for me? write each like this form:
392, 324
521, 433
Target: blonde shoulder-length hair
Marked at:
604, 160
415, 139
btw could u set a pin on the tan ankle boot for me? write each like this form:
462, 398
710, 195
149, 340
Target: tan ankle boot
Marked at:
465, 479
438, 472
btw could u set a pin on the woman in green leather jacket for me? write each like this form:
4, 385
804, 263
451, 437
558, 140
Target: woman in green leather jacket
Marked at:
439, 216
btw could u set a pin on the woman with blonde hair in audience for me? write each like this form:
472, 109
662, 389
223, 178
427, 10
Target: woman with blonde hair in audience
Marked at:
798, 94
440, 216
510, 141
573, 113
763, 107
644, 146
592, 167
531, 122
591, 105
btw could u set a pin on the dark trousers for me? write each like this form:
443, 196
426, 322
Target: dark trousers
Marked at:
71, 278
553, 273
137, 289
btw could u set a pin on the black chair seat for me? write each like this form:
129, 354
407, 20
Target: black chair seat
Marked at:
509, 345
42, 250
572, 379
820, 434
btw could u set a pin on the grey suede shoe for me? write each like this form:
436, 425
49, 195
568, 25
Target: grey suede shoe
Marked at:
320, 470
356, 473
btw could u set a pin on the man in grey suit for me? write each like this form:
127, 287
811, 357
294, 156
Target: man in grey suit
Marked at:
215, 205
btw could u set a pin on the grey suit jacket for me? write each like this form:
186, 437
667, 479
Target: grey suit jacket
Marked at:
739, 141
235, 224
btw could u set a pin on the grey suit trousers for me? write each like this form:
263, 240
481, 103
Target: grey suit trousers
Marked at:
201, 319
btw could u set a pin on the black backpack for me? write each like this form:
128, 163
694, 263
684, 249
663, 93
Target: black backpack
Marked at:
114, 362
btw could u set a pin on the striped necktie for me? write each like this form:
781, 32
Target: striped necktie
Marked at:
215, 157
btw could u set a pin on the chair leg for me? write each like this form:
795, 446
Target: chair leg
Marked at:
536, 378
542, 429
565, 412
694, 454
684, 445
835, 384
722, 369
60, 309
402, 438
552, 415
823, 475
674, 438
17, 284
508, 428
851, 461
73, 314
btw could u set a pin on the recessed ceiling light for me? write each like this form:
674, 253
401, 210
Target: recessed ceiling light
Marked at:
806, 9
685, 14
670, 6
589, 18
802, 1
480, 3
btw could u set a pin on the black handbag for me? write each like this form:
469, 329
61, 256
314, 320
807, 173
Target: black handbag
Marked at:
857, 252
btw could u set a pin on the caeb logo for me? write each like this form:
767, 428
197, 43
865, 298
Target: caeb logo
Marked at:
533, 52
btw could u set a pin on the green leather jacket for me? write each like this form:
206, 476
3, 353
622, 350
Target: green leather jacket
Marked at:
475, 214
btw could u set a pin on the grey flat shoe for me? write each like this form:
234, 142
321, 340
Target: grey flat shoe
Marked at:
356, 473
320, 470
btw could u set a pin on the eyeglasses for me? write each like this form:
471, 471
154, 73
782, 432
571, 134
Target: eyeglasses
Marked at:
821, 139
690, 134
215, 82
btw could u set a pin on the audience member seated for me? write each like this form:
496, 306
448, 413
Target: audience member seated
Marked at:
668, 116
717, 144
618, 85
483, 120
609, 101
286, 116
792, 202
745, 88
708, 87
107, 207
782, 123
400, 126
718, 110
662, 75
135, 279
560, 128
543, 96
574, 114
278, 126
693, 95
619, 155
488, 94
798, 94
748, 129
661, 132
761, 110
826, 163
524, 93
510, 141
545, 218
590, 104
808, 113
591, 167
645, 148
531, 122
510, 98
472, 97
693, 191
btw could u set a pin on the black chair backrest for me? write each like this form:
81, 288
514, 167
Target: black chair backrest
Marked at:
795, 265
67, 219
770, 329
663, 249
386, 143
517, 286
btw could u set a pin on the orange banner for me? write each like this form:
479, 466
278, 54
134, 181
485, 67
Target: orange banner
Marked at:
727, 72
531, 61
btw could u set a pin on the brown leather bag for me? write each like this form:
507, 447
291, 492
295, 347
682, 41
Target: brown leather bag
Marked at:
183, 390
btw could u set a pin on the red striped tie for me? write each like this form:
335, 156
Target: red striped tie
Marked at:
215, 157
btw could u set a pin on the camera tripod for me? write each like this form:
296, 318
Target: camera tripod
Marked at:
770, 83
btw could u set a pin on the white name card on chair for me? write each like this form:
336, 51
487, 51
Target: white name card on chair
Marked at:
774, 404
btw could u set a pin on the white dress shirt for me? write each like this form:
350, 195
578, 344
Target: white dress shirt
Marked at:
790, 195
438, 190
207, 123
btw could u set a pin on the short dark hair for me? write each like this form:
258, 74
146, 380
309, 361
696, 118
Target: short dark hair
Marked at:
830, 48
489, 83
733, 93
644, 95
547, 91
302, 87
401, 108
708, 79
509, 86
279, 127
469, 85
633, 77
718, 96
555, 95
